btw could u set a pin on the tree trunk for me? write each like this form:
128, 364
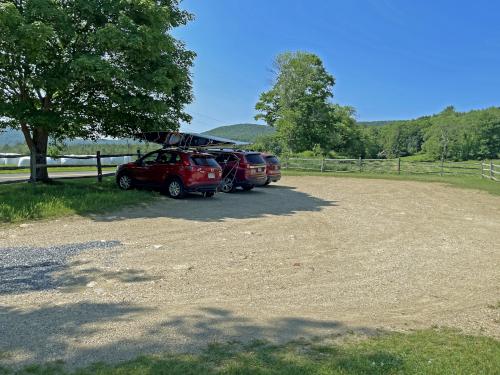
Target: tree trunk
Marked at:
40, 143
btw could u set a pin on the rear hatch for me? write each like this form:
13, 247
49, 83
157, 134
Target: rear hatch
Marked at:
255, 164
205, 168
273, 164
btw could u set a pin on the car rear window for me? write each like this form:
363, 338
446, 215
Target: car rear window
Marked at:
254, 159
272, 160
206, 161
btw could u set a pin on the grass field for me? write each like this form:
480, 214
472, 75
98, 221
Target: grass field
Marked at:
21, 202
465, 182
422, 352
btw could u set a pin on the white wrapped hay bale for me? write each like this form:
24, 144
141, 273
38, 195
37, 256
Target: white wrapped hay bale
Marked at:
22, 161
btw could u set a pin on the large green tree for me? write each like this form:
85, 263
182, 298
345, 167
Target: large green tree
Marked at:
91, 68
298, 104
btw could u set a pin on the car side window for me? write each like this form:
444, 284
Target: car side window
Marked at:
150, 158
164, 157
221, 158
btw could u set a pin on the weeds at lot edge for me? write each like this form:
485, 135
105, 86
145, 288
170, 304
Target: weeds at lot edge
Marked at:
23, 201
464, 182
423, 352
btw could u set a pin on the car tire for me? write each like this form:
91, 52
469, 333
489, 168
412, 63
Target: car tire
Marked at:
227, 184
175, 188
268, 181
124, 181
248, 187
208, 194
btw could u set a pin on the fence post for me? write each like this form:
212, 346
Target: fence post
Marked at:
491, 170
399, 165
286, 162
322, 164
138, 153
33, 164
482, 167
99, 166
442, 166
360, 163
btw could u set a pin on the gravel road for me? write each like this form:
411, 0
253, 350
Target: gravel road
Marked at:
310, 256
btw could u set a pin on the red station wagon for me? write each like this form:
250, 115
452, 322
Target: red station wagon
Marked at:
175, 171
273, 168
240, 169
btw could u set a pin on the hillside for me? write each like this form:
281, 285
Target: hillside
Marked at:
241, 132
374, 123
11, 137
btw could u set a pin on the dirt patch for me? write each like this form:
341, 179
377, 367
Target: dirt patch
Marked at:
311, 256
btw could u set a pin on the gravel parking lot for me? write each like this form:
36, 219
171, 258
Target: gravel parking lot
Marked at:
310, 256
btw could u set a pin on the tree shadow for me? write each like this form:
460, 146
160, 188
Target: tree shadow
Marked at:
26, 269
55, 333
273, 200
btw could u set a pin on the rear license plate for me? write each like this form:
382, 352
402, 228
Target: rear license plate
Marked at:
211, 175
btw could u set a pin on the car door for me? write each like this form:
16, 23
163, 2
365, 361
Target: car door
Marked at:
164, 167
142, 171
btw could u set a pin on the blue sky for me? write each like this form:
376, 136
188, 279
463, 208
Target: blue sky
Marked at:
391, 59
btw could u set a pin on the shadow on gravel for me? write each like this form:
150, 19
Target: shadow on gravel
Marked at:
27, 269
277, 200
69, 333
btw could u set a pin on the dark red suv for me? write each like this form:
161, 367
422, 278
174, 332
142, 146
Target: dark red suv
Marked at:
273, 168
240, 169
175, 171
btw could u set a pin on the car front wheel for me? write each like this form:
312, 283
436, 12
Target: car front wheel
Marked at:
124, 182
175, 189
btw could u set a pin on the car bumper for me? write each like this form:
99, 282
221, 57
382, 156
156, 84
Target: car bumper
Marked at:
274, 177
203, 188
257, 181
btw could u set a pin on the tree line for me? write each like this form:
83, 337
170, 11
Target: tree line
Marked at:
299, 106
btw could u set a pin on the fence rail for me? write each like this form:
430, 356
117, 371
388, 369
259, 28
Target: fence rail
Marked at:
490, 171
13, 162
395, 166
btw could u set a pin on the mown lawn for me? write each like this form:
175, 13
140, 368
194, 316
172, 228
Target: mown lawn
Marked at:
23, 201
465, 182
423, 352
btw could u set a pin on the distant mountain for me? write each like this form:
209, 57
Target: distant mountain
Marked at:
11, 137
241, 132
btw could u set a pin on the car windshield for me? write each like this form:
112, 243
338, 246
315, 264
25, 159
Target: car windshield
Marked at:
206, 161
272, 160
254, 159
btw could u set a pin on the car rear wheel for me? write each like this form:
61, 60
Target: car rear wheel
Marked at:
175, 189
125, 181
268, 181
227, 184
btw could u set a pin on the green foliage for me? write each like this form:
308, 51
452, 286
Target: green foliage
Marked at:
91, 68
423, 352
298, 105
241, 132
449, 135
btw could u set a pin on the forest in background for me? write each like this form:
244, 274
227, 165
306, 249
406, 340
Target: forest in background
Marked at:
448, 135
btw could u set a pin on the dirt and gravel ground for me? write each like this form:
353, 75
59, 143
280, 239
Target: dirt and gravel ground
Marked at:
311, 256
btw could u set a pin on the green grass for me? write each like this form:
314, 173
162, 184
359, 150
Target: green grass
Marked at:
21, 202
464, 182
425, 352
55, 169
